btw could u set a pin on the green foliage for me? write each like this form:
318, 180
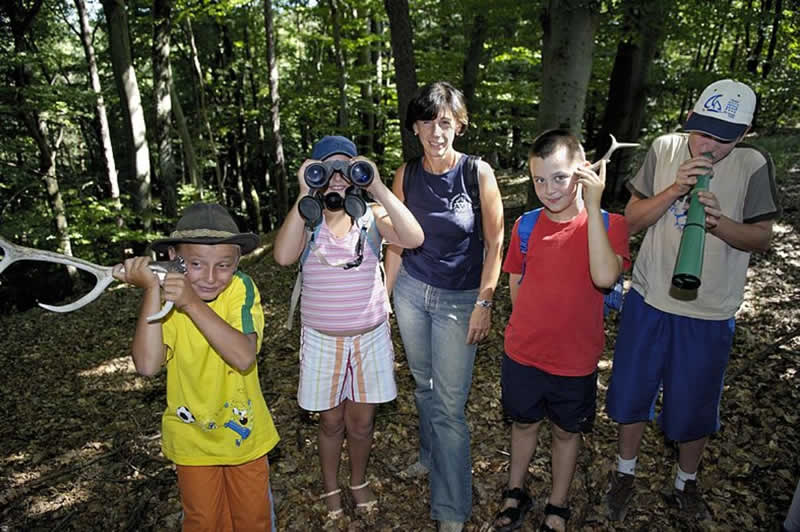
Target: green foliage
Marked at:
704, 41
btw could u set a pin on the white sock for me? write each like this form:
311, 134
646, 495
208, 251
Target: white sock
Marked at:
627, 466
682, 476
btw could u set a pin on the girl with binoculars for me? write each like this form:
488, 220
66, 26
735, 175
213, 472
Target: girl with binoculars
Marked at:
346, 354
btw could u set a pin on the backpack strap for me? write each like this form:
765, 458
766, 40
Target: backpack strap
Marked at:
412, 167
472, 180
524, 229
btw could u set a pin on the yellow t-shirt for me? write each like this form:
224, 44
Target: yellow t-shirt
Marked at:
216, 414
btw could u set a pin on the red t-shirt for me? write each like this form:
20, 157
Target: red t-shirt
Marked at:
557, 321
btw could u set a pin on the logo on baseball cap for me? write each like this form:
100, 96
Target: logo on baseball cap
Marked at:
724, 110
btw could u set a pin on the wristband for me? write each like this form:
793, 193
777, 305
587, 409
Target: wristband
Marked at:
485, 303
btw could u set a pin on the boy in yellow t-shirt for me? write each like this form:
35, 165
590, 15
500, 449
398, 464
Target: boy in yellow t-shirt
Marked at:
216, 427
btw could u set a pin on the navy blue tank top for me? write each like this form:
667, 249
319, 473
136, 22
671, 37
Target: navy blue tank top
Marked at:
451, 257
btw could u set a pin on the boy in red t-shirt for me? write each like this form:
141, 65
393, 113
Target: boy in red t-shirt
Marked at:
555, 335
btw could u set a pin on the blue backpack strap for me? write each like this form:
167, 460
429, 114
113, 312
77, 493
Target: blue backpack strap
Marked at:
373, 236
525, 227
312, 236
612, 300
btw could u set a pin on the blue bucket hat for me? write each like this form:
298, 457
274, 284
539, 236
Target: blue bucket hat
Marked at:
331, 145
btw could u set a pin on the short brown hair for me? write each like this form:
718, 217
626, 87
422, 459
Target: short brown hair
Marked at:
548, 142
434, 98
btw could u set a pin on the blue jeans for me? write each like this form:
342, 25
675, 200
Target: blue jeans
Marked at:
433, 324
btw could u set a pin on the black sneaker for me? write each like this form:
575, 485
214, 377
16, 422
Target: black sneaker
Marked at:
619, 494
690, 502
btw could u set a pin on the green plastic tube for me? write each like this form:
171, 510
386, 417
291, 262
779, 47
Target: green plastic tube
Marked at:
689, 264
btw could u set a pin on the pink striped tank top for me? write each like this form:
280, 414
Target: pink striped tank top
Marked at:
335, 299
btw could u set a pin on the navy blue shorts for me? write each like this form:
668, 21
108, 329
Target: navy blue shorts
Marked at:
530, 395
685, 356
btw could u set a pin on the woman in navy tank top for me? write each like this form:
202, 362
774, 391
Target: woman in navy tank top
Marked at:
443, 291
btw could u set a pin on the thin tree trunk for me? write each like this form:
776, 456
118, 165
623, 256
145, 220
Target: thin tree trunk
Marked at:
100, 106
755, 54
132, 110
162, 73
211, 142
473, 59
404, 67
342, 114
186, 140
366, 139
279, 163
766, 66
378, 145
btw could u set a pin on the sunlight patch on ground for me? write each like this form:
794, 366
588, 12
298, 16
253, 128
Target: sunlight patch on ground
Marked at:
115, 365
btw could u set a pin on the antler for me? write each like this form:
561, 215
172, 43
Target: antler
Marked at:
614, 147
14, 253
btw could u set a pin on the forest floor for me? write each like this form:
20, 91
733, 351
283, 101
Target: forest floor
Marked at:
79, 449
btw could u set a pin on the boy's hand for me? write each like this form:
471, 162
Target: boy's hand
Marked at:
712, 208
135, 271
687, 174
593, 184
178, 289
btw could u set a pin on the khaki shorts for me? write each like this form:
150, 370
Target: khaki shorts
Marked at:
223, 498
335, 368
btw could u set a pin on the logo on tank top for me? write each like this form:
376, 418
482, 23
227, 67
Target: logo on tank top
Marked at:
460, 203
461, 207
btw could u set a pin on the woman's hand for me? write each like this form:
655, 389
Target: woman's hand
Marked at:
479, 323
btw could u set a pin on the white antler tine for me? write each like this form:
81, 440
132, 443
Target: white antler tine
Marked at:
614, 147
161, 313
101, 285
9, 253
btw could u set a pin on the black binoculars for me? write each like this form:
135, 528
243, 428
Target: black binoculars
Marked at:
318, 175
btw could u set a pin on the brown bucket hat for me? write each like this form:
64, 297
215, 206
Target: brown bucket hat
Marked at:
207, 223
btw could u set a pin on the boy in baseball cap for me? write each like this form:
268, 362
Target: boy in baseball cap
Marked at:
681, 342
216, 427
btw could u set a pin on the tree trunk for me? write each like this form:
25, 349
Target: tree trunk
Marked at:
211, 142
162, 87
336, 25
473, 59
21, 20
133, 113
100, 106
186, 140
627, 92
567, 48
404, 67
366, 139
568, 42
279, 163
378, 144
773, 40
755, 54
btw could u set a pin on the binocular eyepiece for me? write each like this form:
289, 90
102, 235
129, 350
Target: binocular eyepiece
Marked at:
317, 175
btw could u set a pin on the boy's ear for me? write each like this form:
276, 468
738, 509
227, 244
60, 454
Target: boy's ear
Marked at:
172, 253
